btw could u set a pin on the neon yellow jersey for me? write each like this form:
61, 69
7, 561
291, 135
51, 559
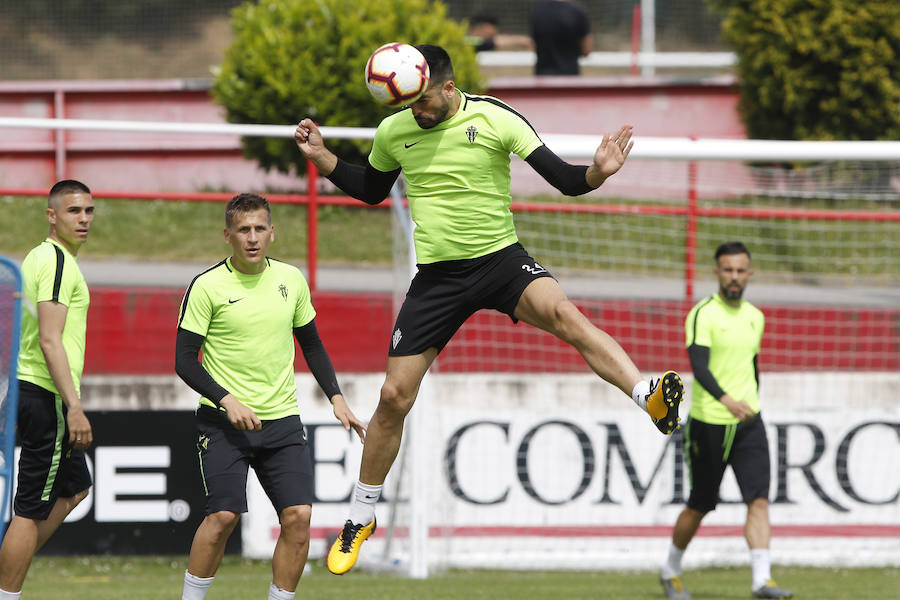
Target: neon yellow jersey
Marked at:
457, 175
733, 336
247, 323
51, 273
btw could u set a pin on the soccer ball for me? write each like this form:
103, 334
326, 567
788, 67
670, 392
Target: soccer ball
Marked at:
397, 74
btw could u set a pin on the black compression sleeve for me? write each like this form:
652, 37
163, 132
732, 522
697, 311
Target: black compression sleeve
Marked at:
756, 370
317, 358
189, 368
568, 179
363, 183
699, 356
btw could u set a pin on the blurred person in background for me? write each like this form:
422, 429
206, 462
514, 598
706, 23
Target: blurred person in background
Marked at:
561, 32
484, 35
243, 313
53, 430
724, 336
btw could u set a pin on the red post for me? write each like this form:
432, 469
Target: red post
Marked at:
690, 236
635, 37
312, 222
59, 136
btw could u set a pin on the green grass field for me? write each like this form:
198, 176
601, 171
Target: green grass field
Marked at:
192, 231
132, 578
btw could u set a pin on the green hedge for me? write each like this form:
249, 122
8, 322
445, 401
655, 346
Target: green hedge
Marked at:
816, 69
296, 58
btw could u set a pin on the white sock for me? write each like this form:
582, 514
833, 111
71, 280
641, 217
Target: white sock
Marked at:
362, 507
195, 588
4, 595
760, 566
276, 593
639, 394
672, 567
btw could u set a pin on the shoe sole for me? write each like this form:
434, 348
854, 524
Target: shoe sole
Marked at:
672, 395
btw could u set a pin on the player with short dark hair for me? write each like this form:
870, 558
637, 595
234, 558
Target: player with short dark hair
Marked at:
52, 427
561, 31
454, 149
243, 314
725, 427
484, 35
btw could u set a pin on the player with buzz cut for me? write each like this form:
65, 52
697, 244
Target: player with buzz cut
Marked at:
243, 314
52, 428
453, 149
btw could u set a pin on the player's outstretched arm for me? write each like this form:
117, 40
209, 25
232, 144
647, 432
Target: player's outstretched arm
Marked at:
361, 182
309, 141
343, 414
610, 156
575, 180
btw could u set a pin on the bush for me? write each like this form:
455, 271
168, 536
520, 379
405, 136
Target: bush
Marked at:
816, 70
298, 58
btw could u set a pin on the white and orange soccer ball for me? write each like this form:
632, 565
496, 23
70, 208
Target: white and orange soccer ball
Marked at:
397, 74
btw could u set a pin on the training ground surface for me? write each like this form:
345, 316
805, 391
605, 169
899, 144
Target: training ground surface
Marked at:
154, 578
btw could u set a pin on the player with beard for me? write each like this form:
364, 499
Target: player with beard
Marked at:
454, 151
724, 335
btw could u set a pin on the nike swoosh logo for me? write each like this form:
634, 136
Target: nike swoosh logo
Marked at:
230, 301
411, 145
368, 497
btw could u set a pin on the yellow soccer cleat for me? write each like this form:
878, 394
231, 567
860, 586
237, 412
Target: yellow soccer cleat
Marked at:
345, 550
674, 588
663, 400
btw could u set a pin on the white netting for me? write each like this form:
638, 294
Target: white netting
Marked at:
535, 463
635, 255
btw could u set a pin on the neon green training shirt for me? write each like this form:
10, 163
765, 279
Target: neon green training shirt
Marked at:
50, 273
733, 336
247, 322
457, 175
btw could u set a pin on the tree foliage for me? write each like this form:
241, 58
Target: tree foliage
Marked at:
816, 69
306, 58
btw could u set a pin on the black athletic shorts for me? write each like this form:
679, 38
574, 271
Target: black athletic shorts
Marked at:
444, 294
710, 448
49, 467
279, 455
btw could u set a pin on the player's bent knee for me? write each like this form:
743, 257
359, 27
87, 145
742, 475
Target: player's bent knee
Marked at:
395, 400
223, 521
295, 522
758, 504
296, 516
77, 498
568, 321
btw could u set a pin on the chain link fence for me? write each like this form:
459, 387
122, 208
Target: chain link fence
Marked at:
137, 39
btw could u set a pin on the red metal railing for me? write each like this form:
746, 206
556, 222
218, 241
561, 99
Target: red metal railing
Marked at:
691, 211
356, 324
